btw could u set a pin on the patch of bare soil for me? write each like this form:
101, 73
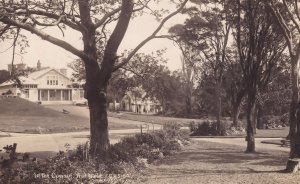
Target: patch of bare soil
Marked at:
215, 163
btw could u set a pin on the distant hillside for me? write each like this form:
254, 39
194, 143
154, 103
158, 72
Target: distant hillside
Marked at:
20, 107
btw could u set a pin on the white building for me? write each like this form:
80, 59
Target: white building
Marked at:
46, 86
139, 105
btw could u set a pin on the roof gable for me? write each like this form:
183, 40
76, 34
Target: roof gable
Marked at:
41, 73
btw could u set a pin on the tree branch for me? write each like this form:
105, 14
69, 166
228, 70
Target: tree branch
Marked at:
152, 36
14, 51
45, 24
45, 36
282, 25
74, 25
291, 16
106, 16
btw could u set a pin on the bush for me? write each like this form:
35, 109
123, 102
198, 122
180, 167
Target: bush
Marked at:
124, 162
150, 146
276, 121
65, 167
208, 128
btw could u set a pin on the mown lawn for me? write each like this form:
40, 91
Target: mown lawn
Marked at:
19, 115
153, 118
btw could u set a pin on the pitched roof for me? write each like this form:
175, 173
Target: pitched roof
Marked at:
24, 80
38, 74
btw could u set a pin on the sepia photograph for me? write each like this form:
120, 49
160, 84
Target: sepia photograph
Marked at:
149, 91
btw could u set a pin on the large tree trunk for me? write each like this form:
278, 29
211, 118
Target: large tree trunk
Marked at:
99, 140
97, 78
294, 133
294, 121
250, 123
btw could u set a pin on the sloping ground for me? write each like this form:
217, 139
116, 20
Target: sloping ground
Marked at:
19, 115
154, 118
214, 163
20, 107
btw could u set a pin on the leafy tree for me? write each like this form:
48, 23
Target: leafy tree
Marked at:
78, 73
207, 30
89, 18
157, 81
287, 16
4, 76
234, 88
119, 84
259, 48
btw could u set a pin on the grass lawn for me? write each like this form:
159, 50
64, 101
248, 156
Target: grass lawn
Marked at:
212, 163
19, 115
283, 132
153, 118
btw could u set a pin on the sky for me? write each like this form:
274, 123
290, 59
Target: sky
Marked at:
56, 57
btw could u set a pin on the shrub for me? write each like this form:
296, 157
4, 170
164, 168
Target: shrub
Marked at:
63, 169
150, 146
276, 121
208, 128
124, 161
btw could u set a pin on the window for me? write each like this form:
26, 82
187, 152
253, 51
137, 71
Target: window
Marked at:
81, 94
52, 80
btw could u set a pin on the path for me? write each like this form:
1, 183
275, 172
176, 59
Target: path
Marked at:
56, 142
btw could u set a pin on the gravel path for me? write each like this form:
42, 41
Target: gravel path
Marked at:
56, 142
216, 162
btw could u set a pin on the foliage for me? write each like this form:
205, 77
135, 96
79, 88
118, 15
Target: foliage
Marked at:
4, 76
209, 128
62, 169
276, 121
124, 162
150, 146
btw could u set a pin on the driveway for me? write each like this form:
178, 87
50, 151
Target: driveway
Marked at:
56, 142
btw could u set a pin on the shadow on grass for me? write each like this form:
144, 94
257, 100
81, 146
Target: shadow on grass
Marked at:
214, 158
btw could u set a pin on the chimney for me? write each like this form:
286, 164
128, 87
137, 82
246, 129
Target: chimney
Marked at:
39, 65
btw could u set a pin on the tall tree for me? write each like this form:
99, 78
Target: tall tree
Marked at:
287, 16
208, 31
259, 47
4, 76
88, 18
